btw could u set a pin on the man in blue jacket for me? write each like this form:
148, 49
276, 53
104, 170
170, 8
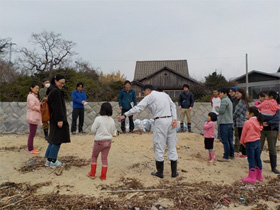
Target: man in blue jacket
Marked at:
79, 100
127, 100
185, 103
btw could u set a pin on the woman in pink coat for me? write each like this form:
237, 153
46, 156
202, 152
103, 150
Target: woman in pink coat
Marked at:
33, 116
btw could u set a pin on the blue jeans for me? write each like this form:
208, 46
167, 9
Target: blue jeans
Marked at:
52, 151
253, 150
227, 140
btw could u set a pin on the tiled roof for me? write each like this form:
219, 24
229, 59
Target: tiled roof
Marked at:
145, 68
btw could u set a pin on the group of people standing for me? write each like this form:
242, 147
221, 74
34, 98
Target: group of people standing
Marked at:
161, 105
59, 128
228, 112
58, 124
251, 126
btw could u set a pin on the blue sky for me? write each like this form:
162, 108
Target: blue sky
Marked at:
112, 35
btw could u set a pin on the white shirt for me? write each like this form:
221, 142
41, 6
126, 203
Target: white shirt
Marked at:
216, 102
159, 103
103, 127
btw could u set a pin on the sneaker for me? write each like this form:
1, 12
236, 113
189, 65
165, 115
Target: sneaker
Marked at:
56, 164
223, 160
47, 163
36, 150
33, 152
241, 156
73, 133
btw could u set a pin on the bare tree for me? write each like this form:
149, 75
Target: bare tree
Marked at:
53, 52
4, 47
8, 72
86, 68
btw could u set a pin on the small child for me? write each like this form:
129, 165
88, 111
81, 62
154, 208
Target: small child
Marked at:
269, 106
209, 127
261, 96
250, 138
103, 128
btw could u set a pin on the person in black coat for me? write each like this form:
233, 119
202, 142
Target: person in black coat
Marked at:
59, 127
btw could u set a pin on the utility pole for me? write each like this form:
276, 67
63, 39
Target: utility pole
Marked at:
247, 79
10, 54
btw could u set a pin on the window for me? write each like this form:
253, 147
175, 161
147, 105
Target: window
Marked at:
254, 90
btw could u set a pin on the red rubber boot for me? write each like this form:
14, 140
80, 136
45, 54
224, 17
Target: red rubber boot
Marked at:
103, 172
91, 174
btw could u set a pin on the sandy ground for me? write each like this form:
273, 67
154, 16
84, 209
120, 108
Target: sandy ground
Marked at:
131, 155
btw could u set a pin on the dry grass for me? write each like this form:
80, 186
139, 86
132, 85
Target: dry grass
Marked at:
203, 195
14, 148
35, 163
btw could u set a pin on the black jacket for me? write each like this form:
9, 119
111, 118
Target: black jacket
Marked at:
186, 100
58, 113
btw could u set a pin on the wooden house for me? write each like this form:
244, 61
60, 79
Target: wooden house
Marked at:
259, 81
166, 75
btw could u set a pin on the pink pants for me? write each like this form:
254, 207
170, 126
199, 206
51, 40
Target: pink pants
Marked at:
32, 133
102, 146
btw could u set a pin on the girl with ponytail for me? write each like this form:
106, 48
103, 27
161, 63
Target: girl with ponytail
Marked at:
250, 139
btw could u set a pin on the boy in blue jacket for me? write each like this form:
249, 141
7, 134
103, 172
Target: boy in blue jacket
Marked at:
79, 100
127, 100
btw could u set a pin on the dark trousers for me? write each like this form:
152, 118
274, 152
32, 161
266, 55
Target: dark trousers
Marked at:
242, 148
254, 154
32, 133
77, 112
131, 123
271, 137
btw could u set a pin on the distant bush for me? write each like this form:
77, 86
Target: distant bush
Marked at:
205, 98
95, 90
17, 90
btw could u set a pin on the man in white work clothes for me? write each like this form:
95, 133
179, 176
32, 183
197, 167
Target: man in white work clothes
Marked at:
164, 112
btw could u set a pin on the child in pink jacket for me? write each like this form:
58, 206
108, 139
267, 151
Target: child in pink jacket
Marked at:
269, 106
33, 116
250, 138
209, 127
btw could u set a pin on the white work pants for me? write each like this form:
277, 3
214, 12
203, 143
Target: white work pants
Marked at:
163, 135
